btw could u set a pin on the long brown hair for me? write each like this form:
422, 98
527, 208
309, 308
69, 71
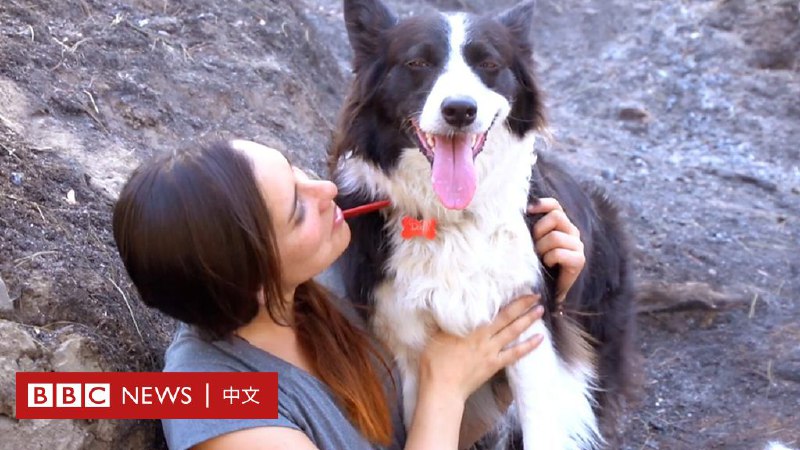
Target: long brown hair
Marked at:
198, 243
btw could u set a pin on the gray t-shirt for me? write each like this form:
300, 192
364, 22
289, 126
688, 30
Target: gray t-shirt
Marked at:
304, 402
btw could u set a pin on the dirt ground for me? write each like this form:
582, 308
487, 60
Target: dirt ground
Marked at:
687, 111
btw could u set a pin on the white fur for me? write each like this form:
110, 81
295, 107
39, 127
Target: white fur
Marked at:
482, 258
458, 79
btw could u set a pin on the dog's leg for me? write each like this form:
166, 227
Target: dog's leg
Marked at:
408, 376
405, 340
553, 400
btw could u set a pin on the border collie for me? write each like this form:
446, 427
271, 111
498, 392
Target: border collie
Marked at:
441, 119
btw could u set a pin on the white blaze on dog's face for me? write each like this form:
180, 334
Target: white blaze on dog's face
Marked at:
456, 118
440, 83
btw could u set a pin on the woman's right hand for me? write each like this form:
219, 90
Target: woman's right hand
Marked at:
460, 365
452, 367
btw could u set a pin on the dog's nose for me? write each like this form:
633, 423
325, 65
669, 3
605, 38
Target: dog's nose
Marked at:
459, 111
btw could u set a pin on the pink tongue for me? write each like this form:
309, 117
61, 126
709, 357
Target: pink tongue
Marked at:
453, 171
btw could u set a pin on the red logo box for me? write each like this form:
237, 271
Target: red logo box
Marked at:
147, 395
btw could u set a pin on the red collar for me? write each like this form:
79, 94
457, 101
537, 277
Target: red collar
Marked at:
365, 209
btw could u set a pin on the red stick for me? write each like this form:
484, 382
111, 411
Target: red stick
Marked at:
364, 209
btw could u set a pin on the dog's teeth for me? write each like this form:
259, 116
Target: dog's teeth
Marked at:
429, 139
474, 139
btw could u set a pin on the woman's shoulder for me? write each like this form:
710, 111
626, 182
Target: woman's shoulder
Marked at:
304, 402
190, 351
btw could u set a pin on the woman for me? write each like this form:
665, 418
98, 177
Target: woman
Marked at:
227, 239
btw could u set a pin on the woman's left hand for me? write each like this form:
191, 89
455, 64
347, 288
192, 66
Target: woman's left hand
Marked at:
558, 242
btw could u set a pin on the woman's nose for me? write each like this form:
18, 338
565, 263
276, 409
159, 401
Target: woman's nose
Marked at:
324, 190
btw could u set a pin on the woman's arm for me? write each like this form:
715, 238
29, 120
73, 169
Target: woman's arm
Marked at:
260, 438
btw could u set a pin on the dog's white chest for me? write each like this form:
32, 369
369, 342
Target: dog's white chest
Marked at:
463, 276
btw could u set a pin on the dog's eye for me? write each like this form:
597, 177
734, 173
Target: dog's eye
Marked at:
489, 65
418, 63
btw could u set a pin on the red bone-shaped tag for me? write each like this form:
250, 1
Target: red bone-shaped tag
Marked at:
418, 228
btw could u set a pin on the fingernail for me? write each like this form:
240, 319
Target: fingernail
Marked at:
538, 310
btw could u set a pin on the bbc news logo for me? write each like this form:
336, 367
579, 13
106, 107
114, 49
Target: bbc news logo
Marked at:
147, 395
69, 395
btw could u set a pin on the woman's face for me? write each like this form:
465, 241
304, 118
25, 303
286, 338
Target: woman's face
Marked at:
309, 228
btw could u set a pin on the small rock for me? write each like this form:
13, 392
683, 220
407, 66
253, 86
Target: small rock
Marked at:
18, 351
5, 301
773, 59
634, 114
16, 178
170, 25
15, 341
8, 392
71, 197
74, 355
788, 370
662, 297
104, 430
48, 433
608, 174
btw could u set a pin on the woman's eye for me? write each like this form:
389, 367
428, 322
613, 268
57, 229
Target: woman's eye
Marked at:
300, 213
418, 63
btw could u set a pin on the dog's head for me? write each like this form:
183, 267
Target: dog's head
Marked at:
440, 83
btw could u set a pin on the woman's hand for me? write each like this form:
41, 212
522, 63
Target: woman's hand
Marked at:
459, 365
558, 242
452, 367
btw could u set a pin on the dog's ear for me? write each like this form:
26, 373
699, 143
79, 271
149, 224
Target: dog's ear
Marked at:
366, 20
527, 111
519, 20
